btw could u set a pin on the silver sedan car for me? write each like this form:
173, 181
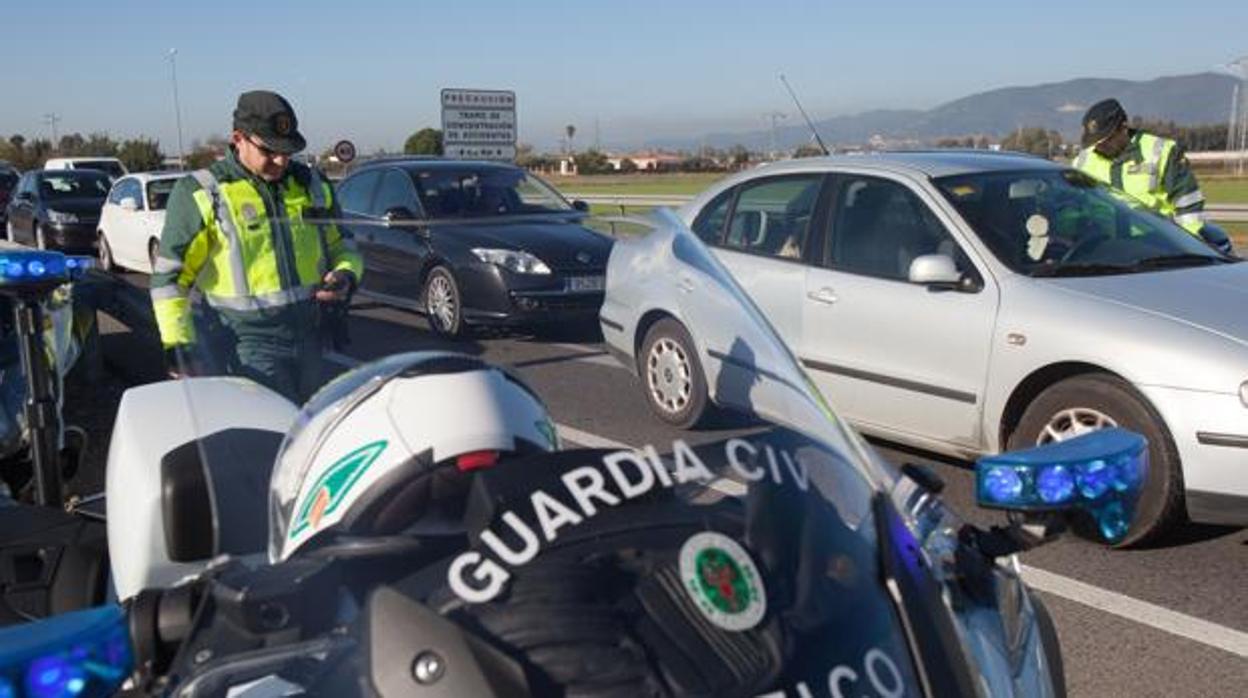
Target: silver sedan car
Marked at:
969, 303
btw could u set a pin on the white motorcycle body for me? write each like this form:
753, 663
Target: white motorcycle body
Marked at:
188, 474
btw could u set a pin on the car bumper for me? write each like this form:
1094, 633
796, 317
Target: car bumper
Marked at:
71, 237
494, 297
1210, 431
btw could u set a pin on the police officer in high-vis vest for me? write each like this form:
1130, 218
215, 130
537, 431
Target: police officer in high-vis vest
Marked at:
253, 235
1151, 169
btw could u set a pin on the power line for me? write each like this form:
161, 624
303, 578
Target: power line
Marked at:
51, 119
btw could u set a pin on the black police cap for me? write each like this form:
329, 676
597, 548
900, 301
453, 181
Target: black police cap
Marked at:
268, 116
1101, 120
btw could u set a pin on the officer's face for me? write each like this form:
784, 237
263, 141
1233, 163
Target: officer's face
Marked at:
1113, 146
259, 159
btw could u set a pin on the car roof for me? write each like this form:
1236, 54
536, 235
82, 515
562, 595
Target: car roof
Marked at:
154, 176
924, 163
419, 163
85, 158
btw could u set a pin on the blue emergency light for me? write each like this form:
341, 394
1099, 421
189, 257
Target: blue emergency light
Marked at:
38, 267
1100, 472
73, 655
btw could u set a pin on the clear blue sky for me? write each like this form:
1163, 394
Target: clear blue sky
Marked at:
372, 71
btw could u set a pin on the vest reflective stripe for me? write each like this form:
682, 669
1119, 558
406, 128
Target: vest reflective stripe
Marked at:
1082, 159
164, 265
167, 292
225, 223
267, 301
1189, 199
1186, 219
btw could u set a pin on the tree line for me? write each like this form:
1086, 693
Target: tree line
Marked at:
138, 154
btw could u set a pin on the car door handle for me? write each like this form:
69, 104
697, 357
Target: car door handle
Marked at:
685, 284
823, 295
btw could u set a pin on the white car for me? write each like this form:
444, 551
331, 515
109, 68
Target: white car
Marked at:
973, 303
133, 215
109, 166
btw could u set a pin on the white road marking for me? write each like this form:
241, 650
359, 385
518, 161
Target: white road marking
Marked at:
1121, 605
1142, 612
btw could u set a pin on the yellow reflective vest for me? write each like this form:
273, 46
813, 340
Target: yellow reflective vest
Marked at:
254, 254
1145, 180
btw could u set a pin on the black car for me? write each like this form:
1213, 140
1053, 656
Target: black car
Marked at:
473, 243
57, 209
8, 182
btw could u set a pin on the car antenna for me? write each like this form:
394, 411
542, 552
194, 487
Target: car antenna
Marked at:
809, 123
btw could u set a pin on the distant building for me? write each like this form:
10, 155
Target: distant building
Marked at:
647, 161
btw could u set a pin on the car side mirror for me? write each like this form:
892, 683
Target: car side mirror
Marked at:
1097, 476
128, 204
398, 214
580, 206
940, 272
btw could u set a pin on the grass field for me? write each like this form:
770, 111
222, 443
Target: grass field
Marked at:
1225, 190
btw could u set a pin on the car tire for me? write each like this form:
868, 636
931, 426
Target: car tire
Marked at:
153, 253
671, 375
104, 252
1087, 402
442, 303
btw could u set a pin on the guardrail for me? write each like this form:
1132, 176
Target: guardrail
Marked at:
1220, 212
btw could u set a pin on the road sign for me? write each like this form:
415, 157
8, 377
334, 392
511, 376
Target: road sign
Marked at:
480, 152
344, 151
479, 124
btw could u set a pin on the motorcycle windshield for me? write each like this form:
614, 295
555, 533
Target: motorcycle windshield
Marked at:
743, 563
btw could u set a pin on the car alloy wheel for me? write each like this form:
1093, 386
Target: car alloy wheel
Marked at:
442, 304
672, 376
1084, 403
668, 375
1072, 422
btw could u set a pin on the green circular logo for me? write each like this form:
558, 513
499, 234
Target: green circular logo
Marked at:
723, 581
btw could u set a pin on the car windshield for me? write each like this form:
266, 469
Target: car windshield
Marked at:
1063, 223
110, 167
158, 191
485, 193
73, 184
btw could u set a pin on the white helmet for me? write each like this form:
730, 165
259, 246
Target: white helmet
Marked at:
365, 454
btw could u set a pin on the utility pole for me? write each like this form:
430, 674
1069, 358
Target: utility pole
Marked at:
773, 118
52, 120
177, 108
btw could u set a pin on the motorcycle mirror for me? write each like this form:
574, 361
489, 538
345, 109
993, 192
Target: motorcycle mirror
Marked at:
1098, 474
82, 654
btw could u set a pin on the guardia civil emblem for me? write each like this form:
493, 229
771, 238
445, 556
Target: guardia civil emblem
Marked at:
723, 581
283, 124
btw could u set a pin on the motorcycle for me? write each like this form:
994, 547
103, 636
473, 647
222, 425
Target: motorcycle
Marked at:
788, 559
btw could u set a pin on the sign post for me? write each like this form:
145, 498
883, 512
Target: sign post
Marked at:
479, 124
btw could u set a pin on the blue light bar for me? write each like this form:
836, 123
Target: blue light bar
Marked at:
1100, 472
41, 267
73, 655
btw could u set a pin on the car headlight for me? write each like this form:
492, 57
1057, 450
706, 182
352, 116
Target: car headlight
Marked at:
62, 217
512, 260
1243, 393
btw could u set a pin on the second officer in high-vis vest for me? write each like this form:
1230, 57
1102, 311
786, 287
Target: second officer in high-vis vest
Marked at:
1152, 169
251, 237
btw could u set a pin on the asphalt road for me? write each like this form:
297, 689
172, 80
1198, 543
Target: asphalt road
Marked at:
1168, 621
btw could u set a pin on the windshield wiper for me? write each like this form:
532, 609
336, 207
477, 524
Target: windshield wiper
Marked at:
1083, 270
1172, 261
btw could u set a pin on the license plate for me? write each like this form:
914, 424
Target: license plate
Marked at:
585, 283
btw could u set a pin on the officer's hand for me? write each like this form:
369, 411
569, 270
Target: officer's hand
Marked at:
336, 287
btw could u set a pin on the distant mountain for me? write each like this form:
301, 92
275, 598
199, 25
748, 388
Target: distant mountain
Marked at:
1204, 98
